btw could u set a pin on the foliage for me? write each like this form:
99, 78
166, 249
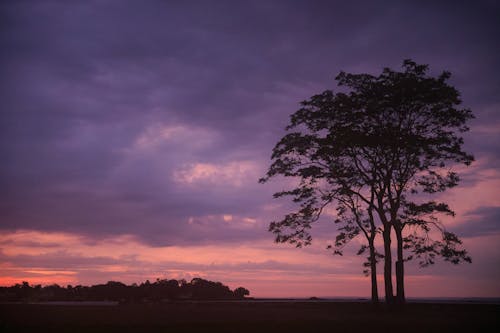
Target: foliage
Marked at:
375, 151
159, 290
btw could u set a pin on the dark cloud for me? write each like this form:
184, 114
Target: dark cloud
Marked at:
483, 221
61, 260
82, 83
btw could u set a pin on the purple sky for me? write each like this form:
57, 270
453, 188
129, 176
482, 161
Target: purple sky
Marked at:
148, 124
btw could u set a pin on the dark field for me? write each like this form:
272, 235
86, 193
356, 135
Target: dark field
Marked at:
249, 317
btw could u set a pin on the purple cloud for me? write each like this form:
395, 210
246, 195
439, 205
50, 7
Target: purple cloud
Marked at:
128, 118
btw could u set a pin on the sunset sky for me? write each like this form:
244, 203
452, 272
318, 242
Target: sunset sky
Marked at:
133, 135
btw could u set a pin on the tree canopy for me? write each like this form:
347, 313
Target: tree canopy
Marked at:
377, 150
157, 291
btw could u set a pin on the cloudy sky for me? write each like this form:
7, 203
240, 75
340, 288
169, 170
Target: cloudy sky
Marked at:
133, 133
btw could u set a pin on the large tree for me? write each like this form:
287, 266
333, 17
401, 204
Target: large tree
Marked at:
377, 150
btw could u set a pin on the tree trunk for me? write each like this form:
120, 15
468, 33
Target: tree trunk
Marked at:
373, 253
400, 282
389, 296
373, 271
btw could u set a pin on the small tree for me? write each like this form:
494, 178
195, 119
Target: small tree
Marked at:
241, 292
373, 151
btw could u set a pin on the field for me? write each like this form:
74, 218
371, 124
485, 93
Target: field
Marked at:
261, 316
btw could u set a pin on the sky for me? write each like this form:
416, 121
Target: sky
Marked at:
133, 135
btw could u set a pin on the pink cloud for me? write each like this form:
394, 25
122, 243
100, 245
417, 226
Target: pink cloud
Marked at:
235, 173
267, 269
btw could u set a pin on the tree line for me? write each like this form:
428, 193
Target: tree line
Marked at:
160, 290
377, 151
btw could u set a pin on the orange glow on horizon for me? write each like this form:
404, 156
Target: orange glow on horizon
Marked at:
266, 269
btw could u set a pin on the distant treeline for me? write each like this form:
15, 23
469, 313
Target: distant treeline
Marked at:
160, 290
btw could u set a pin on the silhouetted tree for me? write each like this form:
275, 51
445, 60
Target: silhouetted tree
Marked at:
354, 221
241, 292
375, 151
204, 289
116, 291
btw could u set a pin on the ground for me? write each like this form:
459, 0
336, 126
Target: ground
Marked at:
291, 316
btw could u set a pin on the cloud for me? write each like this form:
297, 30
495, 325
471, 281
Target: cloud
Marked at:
83, 260
156, 114
108, 128
235, 174
187, 137
482, 221
267, 269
